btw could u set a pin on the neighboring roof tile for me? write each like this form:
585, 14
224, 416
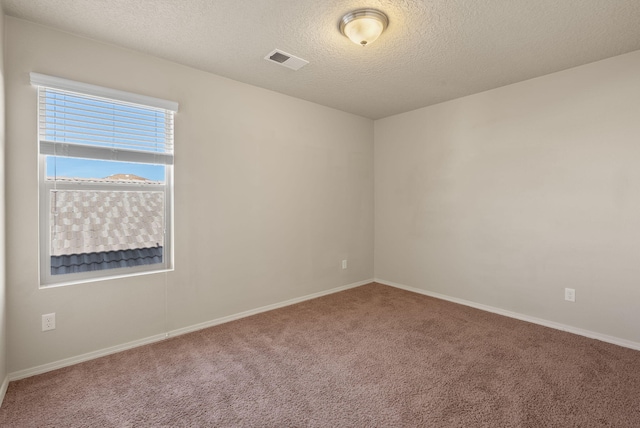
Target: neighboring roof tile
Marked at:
88, 262
95, 221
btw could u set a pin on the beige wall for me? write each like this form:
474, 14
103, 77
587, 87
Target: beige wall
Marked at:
271, 194
505, 198
3, 304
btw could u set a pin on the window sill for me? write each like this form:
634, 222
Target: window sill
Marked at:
103, 278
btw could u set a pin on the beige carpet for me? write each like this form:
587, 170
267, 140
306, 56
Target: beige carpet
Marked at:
373, 356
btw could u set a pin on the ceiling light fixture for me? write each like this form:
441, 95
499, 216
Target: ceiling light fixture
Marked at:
363, 26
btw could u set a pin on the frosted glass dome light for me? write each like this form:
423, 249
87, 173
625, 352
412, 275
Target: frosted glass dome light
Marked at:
363, 26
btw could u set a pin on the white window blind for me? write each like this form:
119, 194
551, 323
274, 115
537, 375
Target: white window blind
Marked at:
85, 125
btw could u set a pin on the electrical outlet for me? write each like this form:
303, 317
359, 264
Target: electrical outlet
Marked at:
48, 322
570, 294
344, 264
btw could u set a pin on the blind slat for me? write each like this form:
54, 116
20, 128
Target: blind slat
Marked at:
98, 120
70, 106
61, 132
106, 144
53, 148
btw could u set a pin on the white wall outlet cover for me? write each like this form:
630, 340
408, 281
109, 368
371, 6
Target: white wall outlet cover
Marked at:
48, 322
570, 294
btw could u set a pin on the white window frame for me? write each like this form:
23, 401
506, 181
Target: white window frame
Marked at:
47, 185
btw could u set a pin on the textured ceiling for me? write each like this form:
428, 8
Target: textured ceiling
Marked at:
432, 51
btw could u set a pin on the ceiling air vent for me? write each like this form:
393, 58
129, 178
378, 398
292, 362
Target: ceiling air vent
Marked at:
285, 59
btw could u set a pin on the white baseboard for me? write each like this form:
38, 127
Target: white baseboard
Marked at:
551, 324
21, 374
3, 389
244, 314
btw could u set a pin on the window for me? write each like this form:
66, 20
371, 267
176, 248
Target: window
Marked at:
106, 181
